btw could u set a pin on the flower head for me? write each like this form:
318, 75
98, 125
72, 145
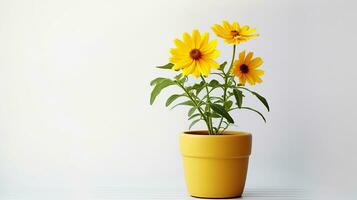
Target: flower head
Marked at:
195, 54
234, 33
245, 68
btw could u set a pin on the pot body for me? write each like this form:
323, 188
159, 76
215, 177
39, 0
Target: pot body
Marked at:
215, 165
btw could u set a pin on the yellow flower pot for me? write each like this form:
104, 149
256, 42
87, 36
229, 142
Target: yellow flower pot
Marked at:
215, 165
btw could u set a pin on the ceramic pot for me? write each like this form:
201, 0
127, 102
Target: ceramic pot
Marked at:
215, 166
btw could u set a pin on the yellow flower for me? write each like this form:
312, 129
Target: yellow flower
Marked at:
234, 33
195, 54
245, 68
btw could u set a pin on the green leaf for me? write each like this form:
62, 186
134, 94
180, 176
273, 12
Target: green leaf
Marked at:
262, 99
185, 103
191, 111
218, 101
193, 123
157, 80
219, 74
247, 108
198, 87
213, 83
172, 98
230, 82
221, 111
177, 77
167, 66
213, 115
217, 98
228, 104
221, 67
194, 116
157, 89
239, 97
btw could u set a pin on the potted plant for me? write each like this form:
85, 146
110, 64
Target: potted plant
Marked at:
215, 160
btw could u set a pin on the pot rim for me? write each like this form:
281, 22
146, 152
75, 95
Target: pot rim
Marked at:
227, 133
232, 145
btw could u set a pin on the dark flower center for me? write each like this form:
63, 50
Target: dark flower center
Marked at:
195, 54
234, 33
244, 68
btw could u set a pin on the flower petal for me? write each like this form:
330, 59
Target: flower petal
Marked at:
221, 32
211, 55
248, 57
210, 63
250, 80
189, 69
248, 31
210, 46
196, 72
256, 62
179, 52
227, 26
242, 80
181, 45
257, 79
188, 41
241, 56
204, 67
176, 67
244, 28
235, 26
258, 72
196, 36
204, 40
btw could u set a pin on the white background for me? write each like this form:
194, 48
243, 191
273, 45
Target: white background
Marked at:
74, 93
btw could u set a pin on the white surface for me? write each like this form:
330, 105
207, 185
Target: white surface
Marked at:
111, 193
74, 91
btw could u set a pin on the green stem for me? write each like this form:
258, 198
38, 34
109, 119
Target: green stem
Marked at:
226, 84
234, 53
209, 108
208, 93
196, 104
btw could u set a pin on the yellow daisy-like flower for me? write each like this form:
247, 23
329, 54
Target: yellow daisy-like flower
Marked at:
195, 54
245, 68
234, 33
